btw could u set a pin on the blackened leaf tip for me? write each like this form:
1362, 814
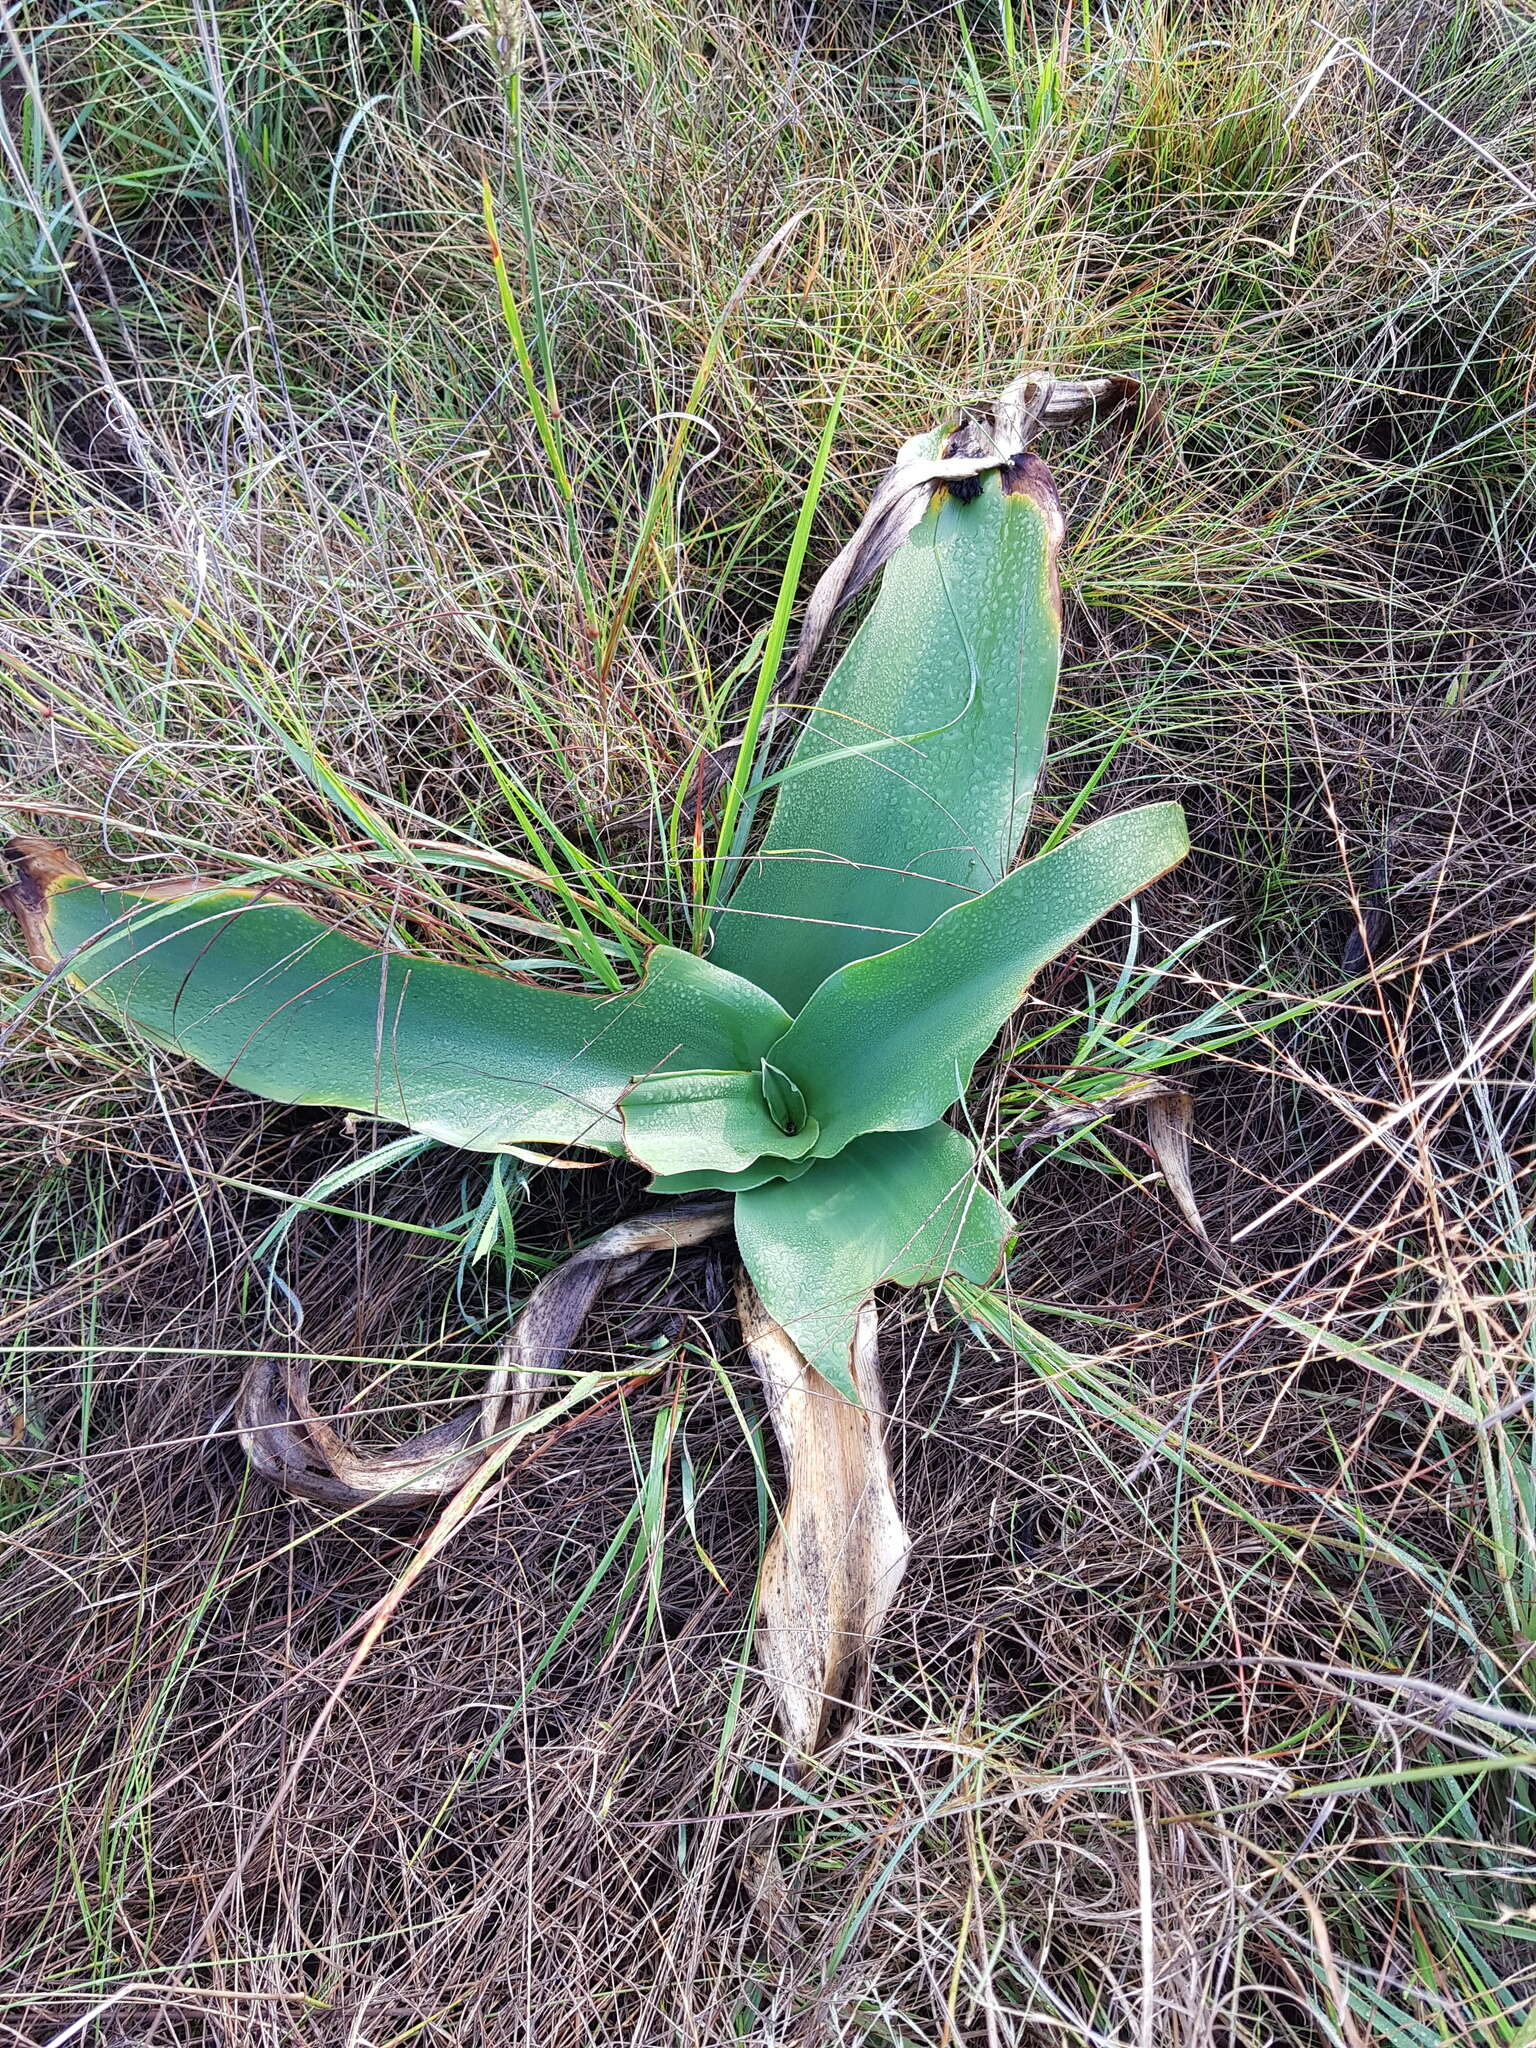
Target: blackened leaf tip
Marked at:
40, 868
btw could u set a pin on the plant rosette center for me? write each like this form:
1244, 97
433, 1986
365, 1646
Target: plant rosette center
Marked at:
717, 1123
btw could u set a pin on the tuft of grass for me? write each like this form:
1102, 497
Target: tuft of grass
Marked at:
411, 423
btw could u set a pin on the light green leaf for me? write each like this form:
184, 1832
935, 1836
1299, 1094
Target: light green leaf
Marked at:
708, 1182
903, 1206
888, 1044
932, 727
271, 999
711, 1122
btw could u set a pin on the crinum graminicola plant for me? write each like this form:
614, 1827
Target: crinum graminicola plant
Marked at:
793, 1086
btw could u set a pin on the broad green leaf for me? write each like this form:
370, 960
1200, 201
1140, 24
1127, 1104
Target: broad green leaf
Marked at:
713, 1122
888, 1044
271, 999
900, 1205
931, 729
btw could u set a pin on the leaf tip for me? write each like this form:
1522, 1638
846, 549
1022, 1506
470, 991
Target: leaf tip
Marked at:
1030, 476
41, 868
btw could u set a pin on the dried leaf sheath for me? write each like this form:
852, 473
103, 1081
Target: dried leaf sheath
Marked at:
838, 1554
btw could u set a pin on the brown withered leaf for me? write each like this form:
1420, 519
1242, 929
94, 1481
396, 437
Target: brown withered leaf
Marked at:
837, 1556
1170, 1120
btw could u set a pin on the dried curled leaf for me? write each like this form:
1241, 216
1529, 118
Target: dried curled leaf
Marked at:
288, 1443
1170, 1120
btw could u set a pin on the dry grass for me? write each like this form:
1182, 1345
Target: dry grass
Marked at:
1206, 1715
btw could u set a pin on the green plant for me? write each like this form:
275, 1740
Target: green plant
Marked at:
37, 221
869, 951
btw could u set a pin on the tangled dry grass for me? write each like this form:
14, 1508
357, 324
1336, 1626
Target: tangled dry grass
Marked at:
1206, 1715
